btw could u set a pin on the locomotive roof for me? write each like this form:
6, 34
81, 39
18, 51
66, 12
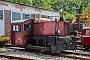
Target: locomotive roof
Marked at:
19, 21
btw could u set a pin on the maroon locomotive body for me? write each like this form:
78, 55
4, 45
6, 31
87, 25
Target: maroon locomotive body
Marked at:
44, 29
49, 28
41, 35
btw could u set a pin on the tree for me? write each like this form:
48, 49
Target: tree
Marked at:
69, 17
29, 2
87, 9
46, 4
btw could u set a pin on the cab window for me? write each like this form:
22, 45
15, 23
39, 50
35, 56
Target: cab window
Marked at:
87, 32
27, 26
18, 28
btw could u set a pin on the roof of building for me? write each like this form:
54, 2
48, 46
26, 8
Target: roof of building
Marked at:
86, 28
30, 6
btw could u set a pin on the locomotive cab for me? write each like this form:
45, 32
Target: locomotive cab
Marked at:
20, 32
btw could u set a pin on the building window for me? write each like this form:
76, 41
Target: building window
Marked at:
16, 16
1, 14
44, 16
52, 18
33, 15
26, 16
37, 15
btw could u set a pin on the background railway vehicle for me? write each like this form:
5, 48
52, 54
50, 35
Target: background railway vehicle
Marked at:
86, 37
76, 29
82, 28
4, 40
76, 24
42, 34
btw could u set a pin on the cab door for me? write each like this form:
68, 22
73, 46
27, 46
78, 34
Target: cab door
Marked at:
12, 34
19, 35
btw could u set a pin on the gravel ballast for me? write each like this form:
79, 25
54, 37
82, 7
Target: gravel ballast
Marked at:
29, 55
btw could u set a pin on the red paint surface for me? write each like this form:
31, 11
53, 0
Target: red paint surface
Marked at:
44, 28
76, 26
12, 35
67, 29
18, 39
61, 27
49, 28
83, 31
86, 40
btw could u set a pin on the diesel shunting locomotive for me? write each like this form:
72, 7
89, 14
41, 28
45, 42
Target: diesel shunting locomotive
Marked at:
42, 34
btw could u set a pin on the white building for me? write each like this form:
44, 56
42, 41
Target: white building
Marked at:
10, 11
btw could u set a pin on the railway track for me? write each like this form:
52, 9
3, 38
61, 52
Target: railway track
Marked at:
68, 55
65, 54
77, 55
14, 57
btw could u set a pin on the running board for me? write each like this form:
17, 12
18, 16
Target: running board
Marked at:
29, 46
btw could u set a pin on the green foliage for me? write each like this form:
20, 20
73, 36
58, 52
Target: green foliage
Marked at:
69, 17
42, 3
87, 9
29, 2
